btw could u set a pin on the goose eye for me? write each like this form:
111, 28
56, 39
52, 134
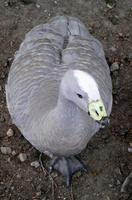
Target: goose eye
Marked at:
80, 96
96, 112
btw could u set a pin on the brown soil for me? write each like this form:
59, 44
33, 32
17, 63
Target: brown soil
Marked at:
107, 153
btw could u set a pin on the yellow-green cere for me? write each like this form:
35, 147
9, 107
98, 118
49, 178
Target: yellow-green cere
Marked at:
97, 110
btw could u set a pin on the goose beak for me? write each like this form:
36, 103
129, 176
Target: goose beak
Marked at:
104, 122
97, 111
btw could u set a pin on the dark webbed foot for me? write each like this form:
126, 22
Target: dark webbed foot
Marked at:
67, 166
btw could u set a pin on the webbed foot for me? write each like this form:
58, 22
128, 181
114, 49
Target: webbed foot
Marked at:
67, 166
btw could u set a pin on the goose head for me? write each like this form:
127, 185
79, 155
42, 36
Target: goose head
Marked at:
82, 89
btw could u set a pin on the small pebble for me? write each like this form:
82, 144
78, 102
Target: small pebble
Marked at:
118, 182
120, 34
118, 171
114, 67
54, 174
12, 188
35, 164
130, 55
5, 150
109, 6
38, 193
37, 6
113, 49
2, 119
130, 144
10, 132
107, 198
110, 185
130, 149
10, 59
9, 159
6, 4
44, 198
2, 75
115, 102
18, 176
22, 157
13, 153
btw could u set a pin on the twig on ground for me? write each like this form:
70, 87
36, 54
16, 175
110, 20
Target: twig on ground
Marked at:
43, 168
45, 171
10, 183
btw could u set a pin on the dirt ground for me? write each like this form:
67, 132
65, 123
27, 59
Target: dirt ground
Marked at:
107, 153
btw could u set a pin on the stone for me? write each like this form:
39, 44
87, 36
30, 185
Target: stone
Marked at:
2, 75
10, 132
113, 49
118, 182
109, 6
18, 176
130, 149
9, 159
35, 164
37, 5
130, 55
13, 153
114, 67
2, 119
22, 157
130, 144
6, 4
38, 193
118, 171
44, 198
5, 150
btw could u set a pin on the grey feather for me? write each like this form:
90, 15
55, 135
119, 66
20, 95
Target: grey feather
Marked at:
32, 91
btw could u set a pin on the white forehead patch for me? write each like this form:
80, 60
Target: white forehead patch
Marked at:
87, 84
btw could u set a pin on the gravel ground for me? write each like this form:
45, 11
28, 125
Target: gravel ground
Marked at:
109, 153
